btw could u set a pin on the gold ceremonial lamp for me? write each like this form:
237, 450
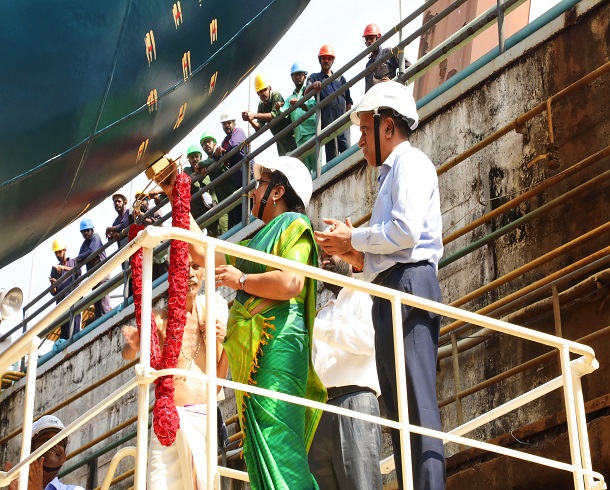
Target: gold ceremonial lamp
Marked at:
163, 171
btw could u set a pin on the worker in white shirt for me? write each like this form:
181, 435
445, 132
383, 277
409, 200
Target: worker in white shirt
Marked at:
345, 451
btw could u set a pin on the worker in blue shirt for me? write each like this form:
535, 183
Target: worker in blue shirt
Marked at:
400, 249
335, 109
91, 243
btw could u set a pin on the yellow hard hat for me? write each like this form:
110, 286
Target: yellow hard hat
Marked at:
58, 245
261, 81
141, 193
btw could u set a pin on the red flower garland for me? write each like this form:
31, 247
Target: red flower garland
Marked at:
165, 416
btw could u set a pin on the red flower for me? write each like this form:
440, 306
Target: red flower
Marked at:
165, 416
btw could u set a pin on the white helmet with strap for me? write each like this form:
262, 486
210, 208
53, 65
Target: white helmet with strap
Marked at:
387, 95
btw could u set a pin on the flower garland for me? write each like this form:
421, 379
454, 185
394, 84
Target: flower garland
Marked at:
165, 416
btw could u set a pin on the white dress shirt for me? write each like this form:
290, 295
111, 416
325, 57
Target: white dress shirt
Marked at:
344, 342
405, 224
55, 484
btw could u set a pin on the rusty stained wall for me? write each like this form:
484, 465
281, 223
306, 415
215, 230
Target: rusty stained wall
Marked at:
493, 176
489, 179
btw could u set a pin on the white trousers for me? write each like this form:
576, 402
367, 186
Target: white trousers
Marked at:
181, 466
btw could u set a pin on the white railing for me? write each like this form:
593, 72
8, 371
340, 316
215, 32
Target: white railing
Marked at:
572, 370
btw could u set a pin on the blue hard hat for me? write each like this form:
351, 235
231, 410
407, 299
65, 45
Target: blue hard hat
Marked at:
298, 67
86, 224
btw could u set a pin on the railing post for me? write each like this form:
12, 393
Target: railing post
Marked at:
245, 180
401, 390
583, 435
28, 410
457, 384
213, 478
318, 130
401, 55
500, 14
143, 387
571, 416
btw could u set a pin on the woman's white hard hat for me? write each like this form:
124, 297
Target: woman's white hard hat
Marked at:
295, 171
388, 95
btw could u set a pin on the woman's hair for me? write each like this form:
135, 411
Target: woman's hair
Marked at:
292, 200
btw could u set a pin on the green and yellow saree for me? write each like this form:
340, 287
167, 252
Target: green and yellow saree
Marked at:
272, 349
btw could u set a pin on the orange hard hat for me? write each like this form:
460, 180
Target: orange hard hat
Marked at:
371, 30
327, 50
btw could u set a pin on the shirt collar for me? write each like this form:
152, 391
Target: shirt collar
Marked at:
54, 484
389, 162
401, 147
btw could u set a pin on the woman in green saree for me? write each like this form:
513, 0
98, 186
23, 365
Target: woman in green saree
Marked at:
269, 331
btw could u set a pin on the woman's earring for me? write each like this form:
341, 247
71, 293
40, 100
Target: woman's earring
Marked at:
274, 203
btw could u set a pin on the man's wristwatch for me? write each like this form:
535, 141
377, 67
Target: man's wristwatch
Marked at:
242, 281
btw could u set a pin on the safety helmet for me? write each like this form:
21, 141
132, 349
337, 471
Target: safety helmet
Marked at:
141, 193
196, 148
225, 117
206, 136
298, 67
46, 422
388, 95
58, 245
295, 171
327, 50
86, 224
261, 81
121, 195
372, 30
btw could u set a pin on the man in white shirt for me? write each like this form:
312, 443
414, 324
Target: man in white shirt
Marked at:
43, 471
345, 451
400, 249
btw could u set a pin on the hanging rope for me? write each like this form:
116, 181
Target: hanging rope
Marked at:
165, 416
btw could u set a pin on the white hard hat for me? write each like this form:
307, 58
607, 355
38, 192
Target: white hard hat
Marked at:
295, 171
224, 117
44, 423
388, 95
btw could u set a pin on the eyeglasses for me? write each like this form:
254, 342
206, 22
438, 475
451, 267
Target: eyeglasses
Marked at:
259, 182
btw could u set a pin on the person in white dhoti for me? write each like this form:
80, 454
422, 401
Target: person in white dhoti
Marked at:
183, 464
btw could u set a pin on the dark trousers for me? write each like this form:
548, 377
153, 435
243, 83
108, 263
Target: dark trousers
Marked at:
420, 337
102, 306
345, 451
340, 143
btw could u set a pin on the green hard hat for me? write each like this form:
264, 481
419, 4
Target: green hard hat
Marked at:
194, 149
207, 136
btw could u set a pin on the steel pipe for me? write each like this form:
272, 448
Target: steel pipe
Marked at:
534, 191
520, 271
523, 118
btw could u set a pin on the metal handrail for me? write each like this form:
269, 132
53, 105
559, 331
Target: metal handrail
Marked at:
570, 379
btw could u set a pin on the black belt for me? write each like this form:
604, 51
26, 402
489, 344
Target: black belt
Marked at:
337, 391
383, 275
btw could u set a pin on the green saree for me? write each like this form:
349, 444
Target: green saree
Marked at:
272, 350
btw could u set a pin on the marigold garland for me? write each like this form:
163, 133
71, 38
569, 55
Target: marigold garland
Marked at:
165, 416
